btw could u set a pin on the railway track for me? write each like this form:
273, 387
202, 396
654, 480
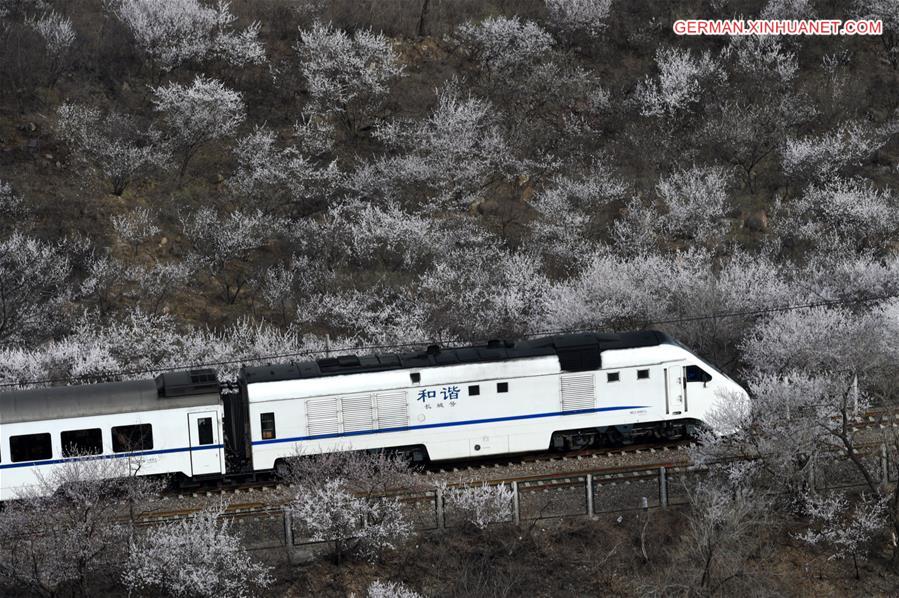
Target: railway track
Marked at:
543, 469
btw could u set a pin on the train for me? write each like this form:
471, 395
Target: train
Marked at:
556, 392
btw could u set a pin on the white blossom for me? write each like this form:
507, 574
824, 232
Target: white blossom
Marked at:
852, 211
330, 512
135, 227
575, 16
222, 242
346, 72
845, 529
199, 113
390, 589
11, 203
56, 31
174, 31
763, 58
281, 175
479, 505
819, 158
504, 45
34, 288
695, 199
72, 524
199, 555
112, 144
453, 152
679, 85
788, 9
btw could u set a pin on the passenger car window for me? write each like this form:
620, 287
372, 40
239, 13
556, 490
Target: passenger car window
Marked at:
613, 377
474, 390
694, 373
502, 387
268, 425
642, 374
30, 447
132, 438
204, 430
82, 442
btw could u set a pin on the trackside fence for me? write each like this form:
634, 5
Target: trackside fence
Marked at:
558, 496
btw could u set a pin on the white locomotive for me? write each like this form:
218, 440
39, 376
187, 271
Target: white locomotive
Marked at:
564, 391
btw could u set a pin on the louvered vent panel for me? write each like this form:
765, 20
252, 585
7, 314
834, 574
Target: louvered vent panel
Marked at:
322, 417
357, 413
392, 410
577, 392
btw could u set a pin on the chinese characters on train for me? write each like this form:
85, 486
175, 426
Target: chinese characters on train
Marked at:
448, 395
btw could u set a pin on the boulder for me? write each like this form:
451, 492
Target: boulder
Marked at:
756, 221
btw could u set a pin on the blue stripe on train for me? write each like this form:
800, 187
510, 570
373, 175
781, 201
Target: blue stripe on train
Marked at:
448, 424
113, 456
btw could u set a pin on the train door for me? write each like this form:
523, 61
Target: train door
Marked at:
675, 397
205, 456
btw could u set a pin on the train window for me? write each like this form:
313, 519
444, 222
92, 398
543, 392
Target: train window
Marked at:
694, 373
613, 377
204, 430
76, 443
268, 425
416, 377
502, 387
30, 447
474, 390
132, 438
642, 374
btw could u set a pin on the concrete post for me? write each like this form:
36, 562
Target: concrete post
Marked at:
590, 510
516, 508
288, 535
438, 498
663, 487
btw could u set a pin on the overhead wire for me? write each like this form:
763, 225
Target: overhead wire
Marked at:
368, 348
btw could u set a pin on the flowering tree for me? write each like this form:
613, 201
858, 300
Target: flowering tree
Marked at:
579, 16
723, 529
112, 143
34, 288
222, 243
503, 293
197, 556
479, 506
135, 227
503, 47
11, 204
695, 199
845, 529
281, 176
853, 213
346, 73
172, 32
569, 210
376, 315
58, 34
390, 589
71, 525
820, 158
199, 113
454, 152
788, 9
679, 85
330, 512
888, 12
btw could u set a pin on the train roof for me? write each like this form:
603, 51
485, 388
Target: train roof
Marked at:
576, 352
171, 390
